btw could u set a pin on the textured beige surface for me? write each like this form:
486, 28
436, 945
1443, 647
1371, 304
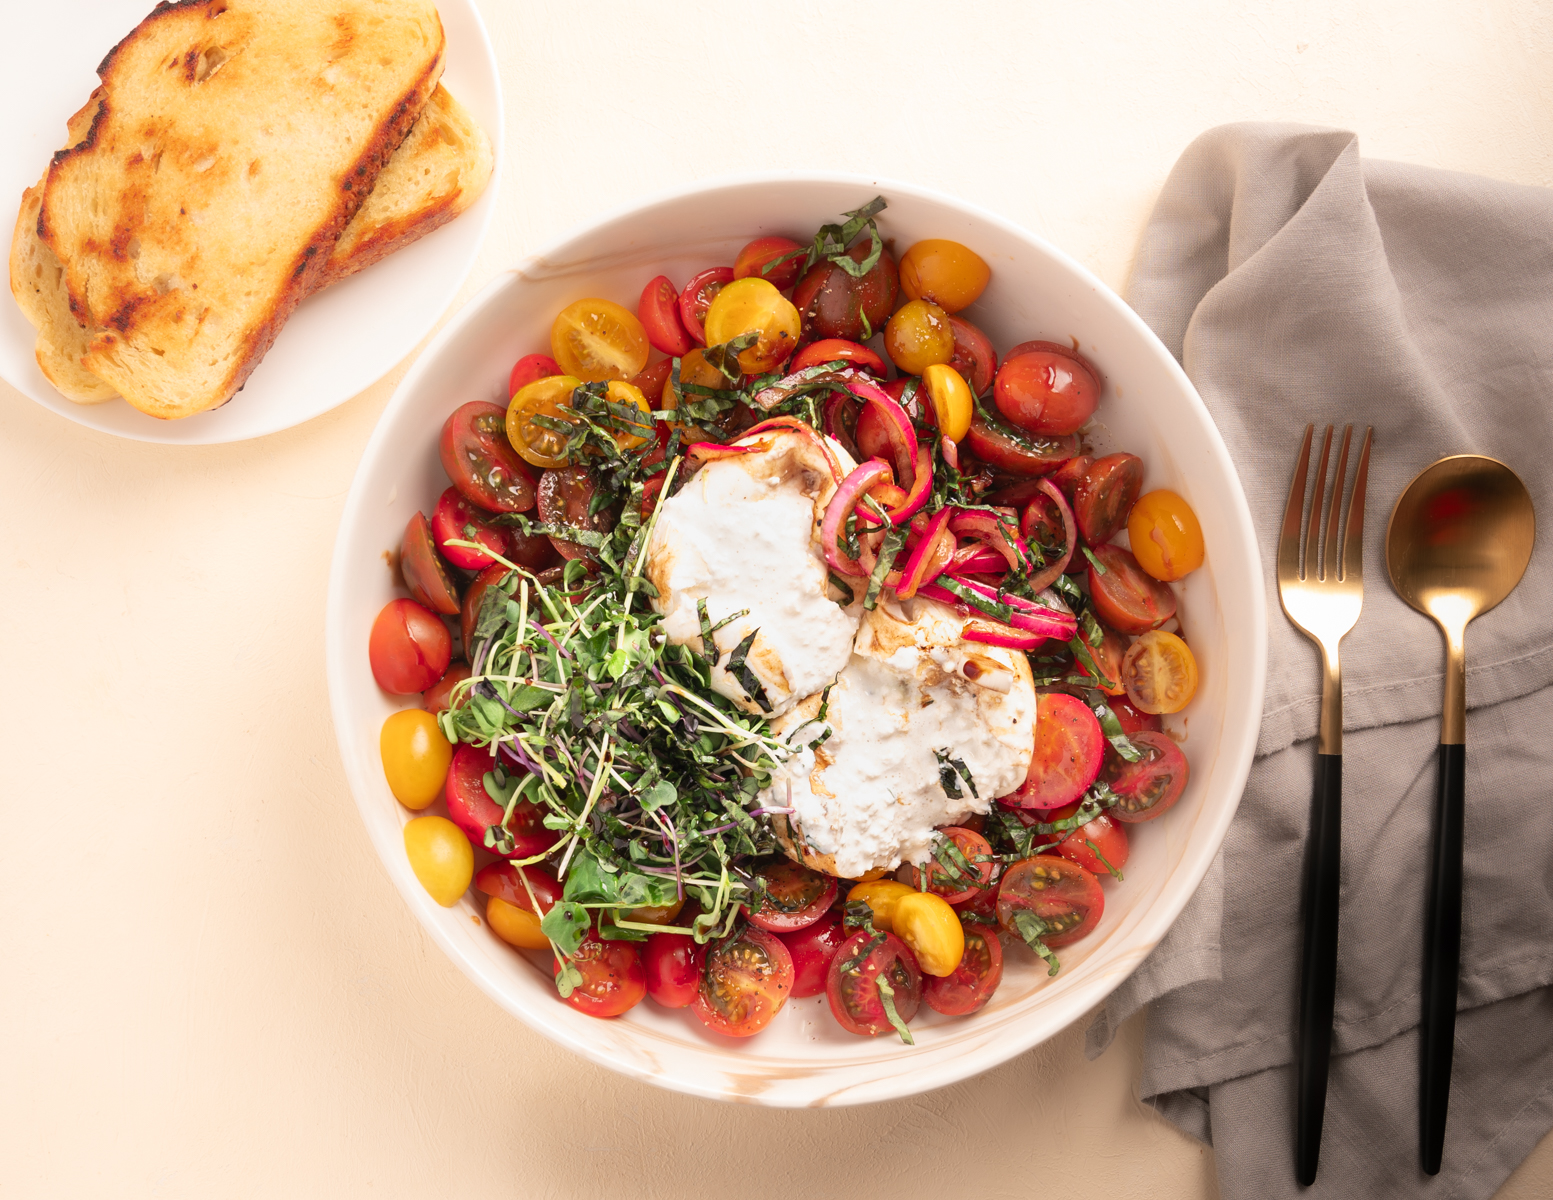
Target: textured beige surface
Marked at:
211, 989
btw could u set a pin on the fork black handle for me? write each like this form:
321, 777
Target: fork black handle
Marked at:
1442, 955
1318, 961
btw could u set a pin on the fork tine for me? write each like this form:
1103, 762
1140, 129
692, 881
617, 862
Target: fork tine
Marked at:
1289, 538
1353, 533
1312, 560
1335, 509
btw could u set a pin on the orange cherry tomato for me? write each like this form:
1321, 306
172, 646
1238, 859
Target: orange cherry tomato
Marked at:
756, 259
1166, 538
544, 397
752, 305
597, 339
945, 272
1160, 673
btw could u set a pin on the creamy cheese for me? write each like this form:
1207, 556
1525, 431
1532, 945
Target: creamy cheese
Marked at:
743, 534
912, 696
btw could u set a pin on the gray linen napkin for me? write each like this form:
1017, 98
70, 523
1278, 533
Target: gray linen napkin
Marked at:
1297, 283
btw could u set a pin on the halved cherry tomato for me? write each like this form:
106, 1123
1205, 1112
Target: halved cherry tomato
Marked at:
451, 520
1153, 784
473, 810
932, 930
564, 497
439, 696
1061, 893
918, 335
971, 984
1069, 751
983, 904
945, 272
1105, 495
423, 570
651, 380
852, 984
1160, 673
976, 851
838, 350
693, 369
697, 298
1165, 536
795, 896
480, 460
812, 948
469, 612
440, 856
1066, 477
543, 398
1095, 845
658, 311
834, 305
409, 648
1045, 392
1007, 449
755, 256
529, 368
881, 896
951, 400
1108, 657
596, 339
629, 435
974, 356
1126, 598
745, 980
514, 885
612, 977
1131, 719
673, 976
415, 757
1040, 523
754, 306
515, 926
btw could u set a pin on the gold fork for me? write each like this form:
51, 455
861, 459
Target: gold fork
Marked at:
1322, 591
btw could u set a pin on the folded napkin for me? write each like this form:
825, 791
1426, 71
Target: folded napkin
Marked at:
1298, 283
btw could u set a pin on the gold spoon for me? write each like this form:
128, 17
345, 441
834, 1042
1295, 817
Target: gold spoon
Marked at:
1458, 543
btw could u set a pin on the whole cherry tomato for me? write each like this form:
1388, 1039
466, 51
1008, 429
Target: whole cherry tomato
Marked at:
1165, 537
835, 305
452, 520
1045, 392
409, 648
670, 963
440, 856
529, 368
812, 948
756, 259
918, 335
415, 757
945, 272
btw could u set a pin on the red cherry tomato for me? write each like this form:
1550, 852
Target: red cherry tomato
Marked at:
795, 896
529, 368
650, 382
971, 984
673, 976
506, 882
1066, 477
834, 349
1108, 657
480, 460
976, 851
745, 980
832, 304
812, 948
1133, 720
1105, 495
422, 567
753, 258
1046, 392
469, 613
564, 497
1029, 818
697, 298
438, 696
852, 986
1002, 446
871, 434
1094, 845
448, 523
658, 311
612, 977
1152, 785
409, 648
1061, 893
471, 808
1125, 596
974, 358
1069, 751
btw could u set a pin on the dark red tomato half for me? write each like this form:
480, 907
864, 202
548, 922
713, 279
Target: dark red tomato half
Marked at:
697, 298
564, 497
1105, 495
1069, 751
471, 808
658, 311
1066, 897
1108, 657
812, 948
1093, 846
437, 698
452, 520
529, 368
409, 648
1008, 449
480, 460
1125, 596
852, 986
753, 260
612, 977
974, 358
651, 379
795, 896
970, 985
1065, 478
838, 350
1046, 392
745, 980
673, 974
423, 570
832, 304
505, 882
1151, 785
1133, 720
977, 853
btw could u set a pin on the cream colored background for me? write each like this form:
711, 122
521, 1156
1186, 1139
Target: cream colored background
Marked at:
210, 987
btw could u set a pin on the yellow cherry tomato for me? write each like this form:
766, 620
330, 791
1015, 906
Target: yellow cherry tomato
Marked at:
542, 398
917, 336
515, 926
1166, 538
654, 914
932, 929
626, 394
1159, 673
598, 339
415, 757
753, 305
881, 895
945, 272
441, 857
951, 397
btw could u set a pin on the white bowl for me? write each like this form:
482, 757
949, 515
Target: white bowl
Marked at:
1148, 407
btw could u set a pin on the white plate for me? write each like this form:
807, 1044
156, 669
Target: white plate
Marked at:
1148, 406
338, 342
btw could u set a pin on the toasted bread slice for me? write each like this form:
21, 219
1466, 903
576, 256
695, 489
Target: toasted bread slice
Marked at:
439, 170
232, 143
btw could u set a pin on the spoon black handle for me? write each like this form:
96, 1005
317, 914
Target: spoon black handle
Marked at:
1442, 956
1318, 961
